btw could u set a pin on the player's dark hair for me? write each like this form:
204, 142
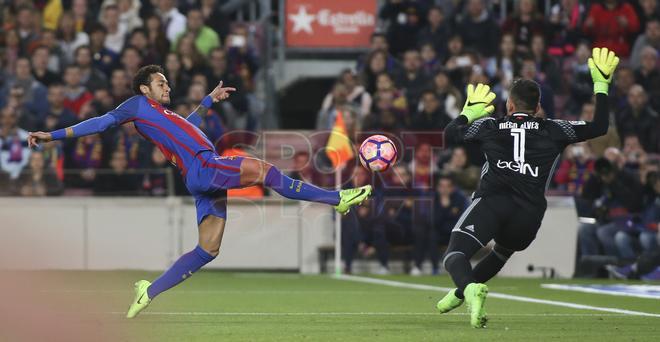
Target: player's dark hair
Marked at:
525, 94
143, 77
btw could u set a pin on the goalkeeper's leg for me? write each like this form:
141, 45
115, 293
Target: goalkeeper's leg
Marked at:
489, 266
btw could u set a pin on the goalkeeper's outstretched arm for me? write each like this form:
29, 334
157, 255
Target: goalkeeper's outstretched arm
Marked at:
601, 65
477, 105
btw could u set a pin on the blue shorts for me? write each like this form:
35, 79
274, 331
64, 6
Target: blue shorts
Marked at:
208, 179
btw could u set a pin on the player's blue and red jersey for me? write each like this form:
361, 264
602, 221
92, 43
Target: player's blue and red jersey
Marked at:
178, 139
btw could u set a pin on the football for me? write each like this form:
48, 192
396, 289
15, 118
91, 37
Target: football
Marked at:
378, 153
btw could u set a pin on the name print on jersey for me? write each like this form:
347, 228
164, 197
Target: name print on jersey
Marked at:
524, 125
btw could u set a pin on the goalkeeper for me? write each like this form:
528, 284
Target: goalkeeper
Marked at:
521, 153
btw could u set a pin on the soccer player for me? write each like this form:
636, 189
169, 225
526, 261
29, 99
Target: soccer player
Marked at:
521, 153
207, 175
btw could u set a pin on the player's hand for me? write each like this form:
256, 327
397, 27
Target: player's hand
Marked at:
34, 138
220, 93
602, 65
478, 102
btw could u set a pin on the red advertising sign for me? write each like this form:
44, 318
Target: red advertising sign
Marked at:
330, 24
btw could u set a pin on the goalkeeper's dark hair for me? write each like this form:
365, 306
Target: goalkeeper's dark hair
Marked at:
525, 94
143, 77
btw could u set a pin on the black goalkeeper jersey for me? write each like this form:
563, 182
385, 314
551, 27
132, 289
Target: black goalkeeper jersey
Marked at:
522, 151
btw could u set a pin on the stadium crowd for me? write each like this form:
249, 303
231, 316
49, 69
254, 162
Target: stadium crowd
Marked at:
62, 61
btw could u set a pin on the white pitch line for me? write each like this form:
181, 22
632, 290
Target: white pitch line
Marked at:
495, 295
183, 313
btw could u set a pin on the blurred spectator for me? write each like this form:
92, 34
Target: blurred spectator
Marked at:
523, 24
86, 157
449, 204
609, 25
82, 16
405, 21
156, 35
131, 60
129, 14
120, 86
205, 38
377, 42
450, 98
138, 39
650, 37
637, 118
11, 51
529, 71
600, 144
503, 66
25, 24
14, 150
137, 150
104, 59
241, 56
546, 64
613, 194
68, 38
356, 94
56, 59
215, 18
218, 71
647, 10
478, 29
118, 181
76, 95
436, 32
154, 182
432, 115
58, 114
422, 167
642, 230
173, 21
648, 76
192, 60
430, 62
633, 153
564, 27
39, 60
578, 79
386, 92
22, 90
376, 63
177, 78
38, 178
115, 33
327, 116
91, 77
575, 168
465, 175
51, 14
624, 79
413, 79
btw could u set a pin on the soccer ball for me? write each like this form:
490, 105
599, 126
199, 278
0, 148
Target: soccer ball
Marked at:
377, 153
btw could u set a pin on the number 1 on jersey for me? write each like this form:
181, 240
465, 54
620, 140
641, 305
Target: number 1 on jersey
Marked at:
518, 144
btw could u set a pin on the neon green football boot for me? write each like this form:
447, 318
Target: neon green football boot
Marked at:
141, 300
449, 302
475, 296
351, 197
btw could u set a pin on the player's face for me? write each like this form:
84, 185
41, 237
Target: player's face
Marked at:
159, 89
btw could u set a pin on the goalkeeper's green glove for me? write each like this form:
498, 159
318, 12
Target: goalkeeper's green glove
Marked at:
602, 65
478, 102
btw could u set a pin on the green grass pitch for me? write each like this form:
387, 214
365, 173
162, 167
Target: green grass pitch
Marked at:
228, 306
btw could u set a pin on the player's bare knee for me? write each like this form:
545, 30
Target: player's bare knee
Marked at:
210, 245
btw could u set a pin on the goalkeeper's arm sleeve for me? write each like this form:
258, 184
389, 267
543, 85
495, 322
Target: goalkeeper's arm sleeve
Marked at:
87, 127
453, 133
601, 122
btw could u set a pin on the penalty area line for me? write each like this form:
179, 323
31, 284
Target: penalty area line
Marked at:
495, 295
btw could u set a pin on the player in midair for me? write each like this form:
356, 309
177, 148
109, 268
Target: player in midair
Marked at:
521, 154
206, 174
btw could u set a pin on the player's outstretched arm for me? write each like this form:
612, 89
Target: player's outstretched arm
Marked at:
218, 94
87, 127
478, 104
601, 65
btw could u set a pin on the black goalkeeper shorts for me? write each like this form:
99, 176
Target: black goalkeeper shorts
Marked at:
507, 219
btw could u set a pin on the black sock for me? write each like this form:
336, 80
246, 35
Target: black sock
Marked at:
489, 266
460, 270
